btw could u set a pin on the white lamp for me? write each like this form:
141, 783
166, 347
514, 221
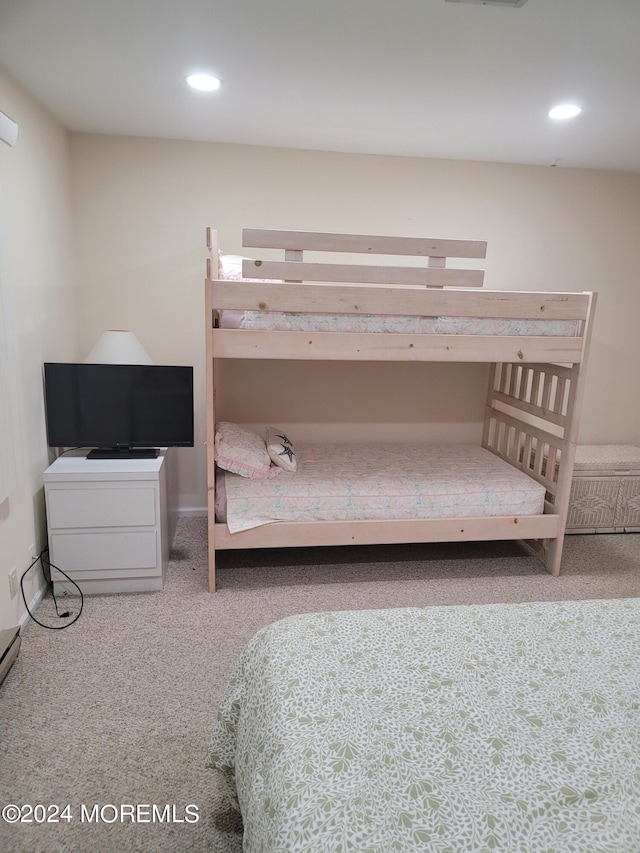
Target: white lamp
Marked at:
118, 347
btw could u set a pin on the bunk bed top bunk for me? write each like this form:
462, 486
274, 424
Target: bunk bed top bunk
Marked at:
296, 308
431, 290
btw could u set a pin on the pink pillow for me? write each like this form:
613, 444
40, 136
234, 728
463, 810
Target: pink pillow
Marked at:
242, 452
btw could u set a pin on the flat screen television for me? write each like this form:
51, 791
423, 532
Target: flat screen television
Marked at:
118, 410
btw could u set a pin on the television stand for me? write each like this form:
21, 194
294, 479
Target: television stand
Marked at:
110, 522
123, 453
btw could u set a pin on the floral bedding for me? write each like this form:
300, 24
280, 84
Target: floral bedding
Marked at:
342, 482
390, 324
510, 727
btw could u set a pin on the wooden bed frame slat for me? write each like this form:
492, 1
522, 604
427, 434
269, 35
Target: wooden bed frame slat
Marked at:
540, 435
301, 271
318, 241
523, 393
555, 369
300, 533
523, 406
355, 346
398, 300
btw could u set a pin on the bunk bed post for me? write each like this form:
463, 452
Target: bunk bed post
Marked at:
212, 273
486, 426
565, 475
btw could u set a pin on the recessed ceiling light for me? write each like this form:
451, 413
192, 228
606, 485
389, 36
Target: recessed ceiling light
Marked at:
565, 111
203, 82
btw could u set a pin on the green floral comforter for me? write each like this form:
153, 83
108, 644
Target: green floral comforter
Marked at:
509, 728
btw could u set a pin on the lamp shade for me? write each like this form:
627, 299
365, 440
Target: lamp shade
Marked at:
118, 347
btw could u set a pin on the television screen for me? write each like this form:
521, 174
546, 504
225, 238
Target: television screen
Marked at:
118, 409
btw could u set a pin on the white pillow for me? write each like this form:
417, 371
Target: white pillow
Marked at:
231, 269
280, 449
241, 452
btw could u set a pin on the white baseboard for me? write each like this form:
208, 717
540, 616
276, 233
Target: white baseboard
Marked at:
184, 512
33, 606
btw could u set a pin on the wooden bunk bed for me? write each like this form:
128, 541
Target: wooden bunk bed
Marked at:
535, 383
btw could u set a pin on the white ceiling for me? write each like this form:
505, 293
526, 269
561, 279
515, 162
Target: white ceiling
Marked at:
420, 78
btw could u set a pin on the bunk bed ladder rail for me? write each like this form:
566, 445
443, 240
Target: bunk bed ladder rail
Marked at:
526, 423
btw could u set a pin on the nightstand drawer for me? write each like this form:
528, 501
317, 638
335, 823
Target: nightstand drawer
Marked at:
101, 507
96, 551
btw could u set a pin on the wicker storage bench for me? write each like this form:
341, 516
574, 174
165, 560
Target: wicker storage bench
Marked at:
605, 492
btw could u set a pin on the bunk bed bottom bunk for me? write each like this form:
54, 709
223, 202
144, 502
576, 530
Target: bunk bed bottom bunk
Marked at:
469, 727
377, 481
368, 494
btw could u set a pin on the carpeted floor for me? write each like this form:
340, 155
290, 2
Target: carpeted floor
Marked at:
116, 710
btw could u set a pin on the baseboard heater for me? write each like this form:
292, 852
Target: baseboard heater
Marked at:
9, 648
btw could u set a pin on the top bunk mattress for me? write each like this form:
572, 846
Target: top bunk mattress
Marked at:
345, 482
394, 324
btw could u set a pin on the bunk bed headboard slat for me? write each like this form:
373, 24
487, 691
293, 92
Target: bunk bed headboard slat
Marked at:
356, 273
295, 243
317, 241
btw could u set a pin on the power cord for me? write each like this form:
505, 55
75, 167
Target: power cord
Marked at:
46, 570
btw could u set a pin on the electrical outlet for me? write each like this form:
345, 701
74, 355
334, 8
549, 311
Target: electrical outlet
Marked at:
13, 583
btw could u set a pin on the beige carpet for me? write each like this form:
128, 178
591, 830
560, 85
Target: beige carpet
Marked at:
117, 709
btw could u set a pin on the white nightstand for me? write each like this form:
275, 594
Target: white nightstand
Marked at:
110, 522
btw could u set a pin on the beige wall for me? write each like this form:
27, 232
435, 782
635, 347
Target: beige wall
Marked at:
141, 207
139, 211
37, 272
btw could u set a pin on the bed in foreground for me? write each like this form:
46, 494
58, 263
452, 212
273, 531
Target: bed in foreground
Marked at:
487, 727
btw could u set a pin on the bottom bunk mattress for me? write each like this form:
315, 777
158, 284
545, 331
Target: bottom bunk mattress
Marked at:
345, 482
511, 727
